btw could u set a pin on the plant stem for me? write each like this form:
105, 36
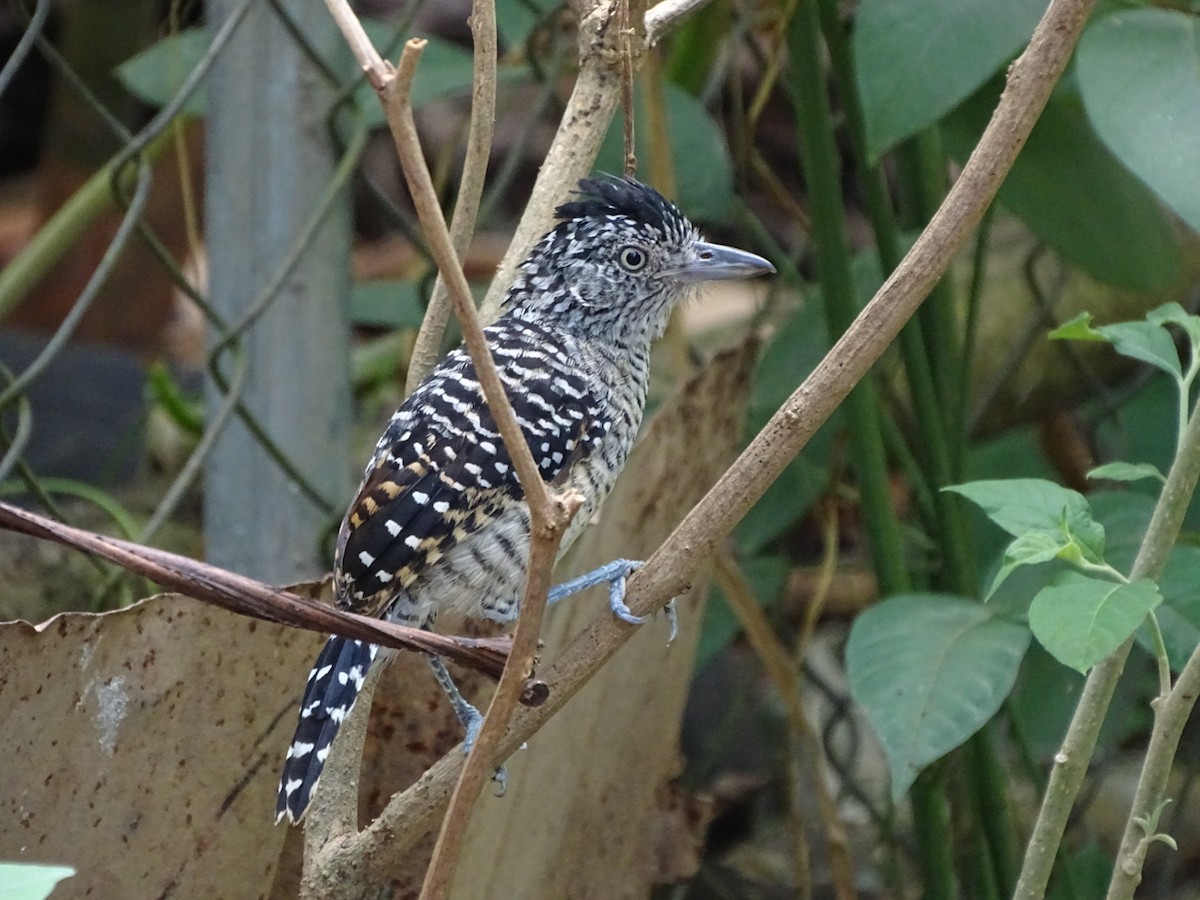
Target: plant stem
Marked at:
1172, 710
935, 856
1070, 763
823, 179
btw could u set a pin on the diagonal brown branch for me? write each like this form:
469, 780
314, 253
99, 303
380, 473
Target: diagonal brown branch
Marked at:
248, 597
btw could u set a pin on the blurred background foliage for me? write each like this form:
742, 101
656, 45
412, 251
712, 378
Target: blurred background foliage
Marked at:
820, 134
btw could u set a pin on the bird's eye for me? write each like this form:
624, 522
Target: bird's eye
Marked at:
632, 258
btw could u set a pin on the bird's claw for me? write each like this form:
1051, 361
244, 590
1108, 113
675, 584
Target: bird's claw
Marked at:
620, 609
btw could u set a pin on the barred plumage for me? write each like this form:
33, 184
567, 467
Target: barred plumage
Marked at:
440, 523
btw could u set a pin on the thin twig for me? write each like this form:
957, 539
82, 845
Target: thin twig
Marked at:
428, 347
593, 101
778, 667
248, 597
662, 17
1031, 78
1174, 709
548, 518
395, 96
452, 838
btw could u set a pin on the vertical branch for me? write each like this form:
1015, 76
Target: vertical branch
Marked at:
589, 111
549, 515
627, 105
427, 350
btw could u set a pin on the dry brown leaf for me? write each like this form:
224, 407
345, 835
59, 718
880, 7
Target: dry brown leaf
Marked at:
142, 747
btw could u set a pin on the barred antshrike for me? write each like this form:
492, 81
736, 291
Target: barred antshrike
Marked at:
440, 523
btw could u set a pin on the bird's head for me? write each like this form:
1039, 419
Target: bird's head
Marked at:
620, 259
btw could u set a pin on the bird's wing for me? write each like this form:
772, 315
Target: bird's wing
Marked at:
442, 472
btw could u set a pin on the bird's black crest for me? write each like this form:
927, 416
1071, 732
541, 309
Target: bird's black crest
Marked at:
610, 196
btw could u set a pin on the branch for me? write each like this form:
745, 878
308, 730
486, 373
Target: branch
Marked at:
1031, 78
549, 516
664, 16
255, 599
1174, 709
480, 762
428, 348
584, 123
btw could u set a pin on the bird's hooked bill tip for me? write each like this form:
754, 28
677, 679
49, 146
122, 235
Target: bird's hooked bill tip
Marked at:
716, 262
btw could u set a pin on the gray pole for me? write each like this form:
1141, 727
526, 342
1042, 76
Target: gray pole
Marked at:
270, 159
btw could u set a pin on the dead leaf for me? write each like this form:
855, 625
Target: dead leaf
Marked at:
142, 747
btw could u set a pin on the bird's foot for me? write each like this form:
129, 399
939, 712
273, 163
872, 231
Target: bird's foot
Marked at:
616, 573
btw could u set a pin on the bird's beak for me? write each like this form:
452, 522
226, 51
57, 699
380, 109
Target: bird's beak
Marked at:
715, 262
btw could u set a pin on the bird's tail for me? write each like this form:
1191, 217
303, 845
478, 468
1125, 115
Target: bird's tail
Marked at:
333, 685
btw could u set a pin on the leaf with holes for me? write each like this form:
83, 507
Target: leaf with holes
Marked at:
930, 670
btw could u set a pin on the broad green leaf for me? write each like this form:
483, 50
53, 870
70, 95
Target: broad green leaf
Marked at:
1078, 329
1139, 73
917, 60
386, 303
1145, 342
1123, 471
156, 74
1021, 505
929, 670
29, 881
1119, 234
1081, 620
703, 170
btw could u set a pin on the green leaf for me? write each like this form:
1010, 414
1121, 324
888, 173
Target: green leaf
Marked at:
27, 881
1081, 620
919, 59
1145, 342
156, 74
1077, 329
386, 304
930, 670
1021, 505
1119, 233
1123, 471
703, 169
1139, 73
1174, 314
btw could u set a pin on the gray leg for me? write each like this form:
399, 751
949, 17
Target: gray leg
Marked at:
615, 573
467, 714
470, 717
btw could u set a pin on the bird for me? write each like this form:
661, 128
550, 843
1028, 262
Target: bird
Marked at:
440, 523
